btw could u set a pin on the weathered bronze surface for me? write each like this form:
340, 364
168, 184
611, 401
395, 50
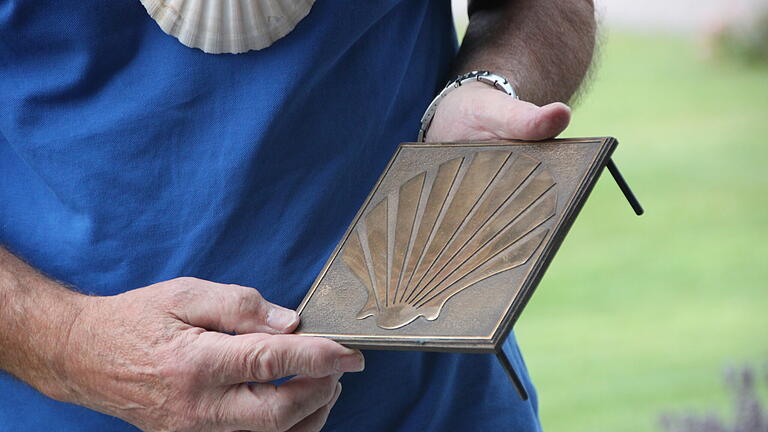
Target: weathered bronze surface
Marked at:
451, 243
494, 205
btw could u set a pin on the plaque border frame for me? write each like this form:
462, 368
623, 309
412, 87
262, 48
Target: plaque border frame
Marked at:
493, 342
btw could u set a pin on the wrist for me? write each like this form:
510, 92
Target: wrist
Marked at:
37, 316
61, 352
45, 353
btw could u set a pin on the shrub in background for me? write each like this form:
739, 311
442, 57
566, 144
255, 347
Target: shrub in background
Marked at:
748, 416
744, 39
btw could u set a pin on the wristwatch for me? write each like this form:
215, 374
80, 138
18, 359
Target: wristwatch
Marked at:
483, 76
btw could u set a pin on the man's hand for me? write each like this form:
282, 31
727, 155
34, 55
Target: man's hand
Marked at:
542, 47
160, 358
479, 112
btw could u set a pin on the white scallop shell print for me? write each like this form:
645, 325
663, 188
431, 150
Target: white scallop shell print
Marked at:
446, 229
227, 26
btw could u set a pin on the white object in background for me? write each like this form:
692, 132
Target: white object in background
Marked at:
227, 26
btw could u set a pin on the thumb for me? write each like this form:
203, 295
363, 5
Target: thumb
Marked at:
233, 309
480, 113
509, 118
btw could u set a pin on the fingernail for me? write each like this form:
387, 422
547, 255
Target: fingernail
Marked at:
350, 363
281, 319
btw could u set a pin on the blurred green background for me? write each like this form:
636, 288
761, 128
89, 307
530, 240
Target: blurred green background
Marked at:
639, 316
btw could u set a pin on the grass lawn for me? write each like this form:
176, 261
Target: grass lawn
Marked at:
639, 316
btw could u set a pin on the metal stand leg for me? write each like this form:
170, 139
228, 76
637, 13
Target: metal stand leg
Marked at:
512, 374
614, 170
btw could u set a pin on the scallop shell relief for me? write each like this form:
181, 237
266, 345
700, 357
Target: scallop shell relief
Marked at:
446, 229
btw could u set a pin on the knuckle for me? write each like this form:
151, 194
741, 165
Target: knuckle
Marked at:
248, 300
185, 279
263, 363
186, 282
180, 292
254, 295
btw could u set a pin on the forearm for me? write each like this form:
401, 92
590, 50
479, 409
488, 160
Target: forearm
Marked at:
543, 47
36, 314
163, 357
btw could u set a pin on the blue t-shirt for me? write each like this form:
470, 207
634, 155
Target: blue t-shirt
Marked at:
127, 159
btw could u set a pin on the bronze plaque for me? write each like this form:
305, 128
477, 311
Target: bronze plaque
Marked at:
451, 242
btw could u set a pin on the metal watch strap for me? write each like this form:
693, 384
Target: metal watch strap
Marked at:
483, 76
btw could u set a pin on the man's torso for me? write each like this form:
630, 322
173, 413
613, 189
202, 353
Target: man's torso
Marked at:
128, 159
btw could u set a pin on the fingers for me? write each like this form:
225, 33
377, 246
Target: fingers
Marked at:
231, 308
263, 358
509, 118
315, 421
301, 404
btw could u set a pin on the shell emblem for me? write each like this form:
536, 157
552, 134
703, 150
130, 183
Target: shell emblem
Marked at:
227, 26
446, 229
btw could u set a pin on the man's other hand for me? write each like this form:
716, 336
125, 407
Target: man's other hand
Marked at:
193, 355
478, 112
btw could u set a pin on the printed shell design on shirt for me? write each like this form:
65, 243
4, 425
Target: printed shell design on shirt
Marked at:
227, 26
446, 229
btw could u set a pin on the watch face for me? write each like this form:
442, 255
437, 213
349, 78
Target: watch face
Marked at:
451, 243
